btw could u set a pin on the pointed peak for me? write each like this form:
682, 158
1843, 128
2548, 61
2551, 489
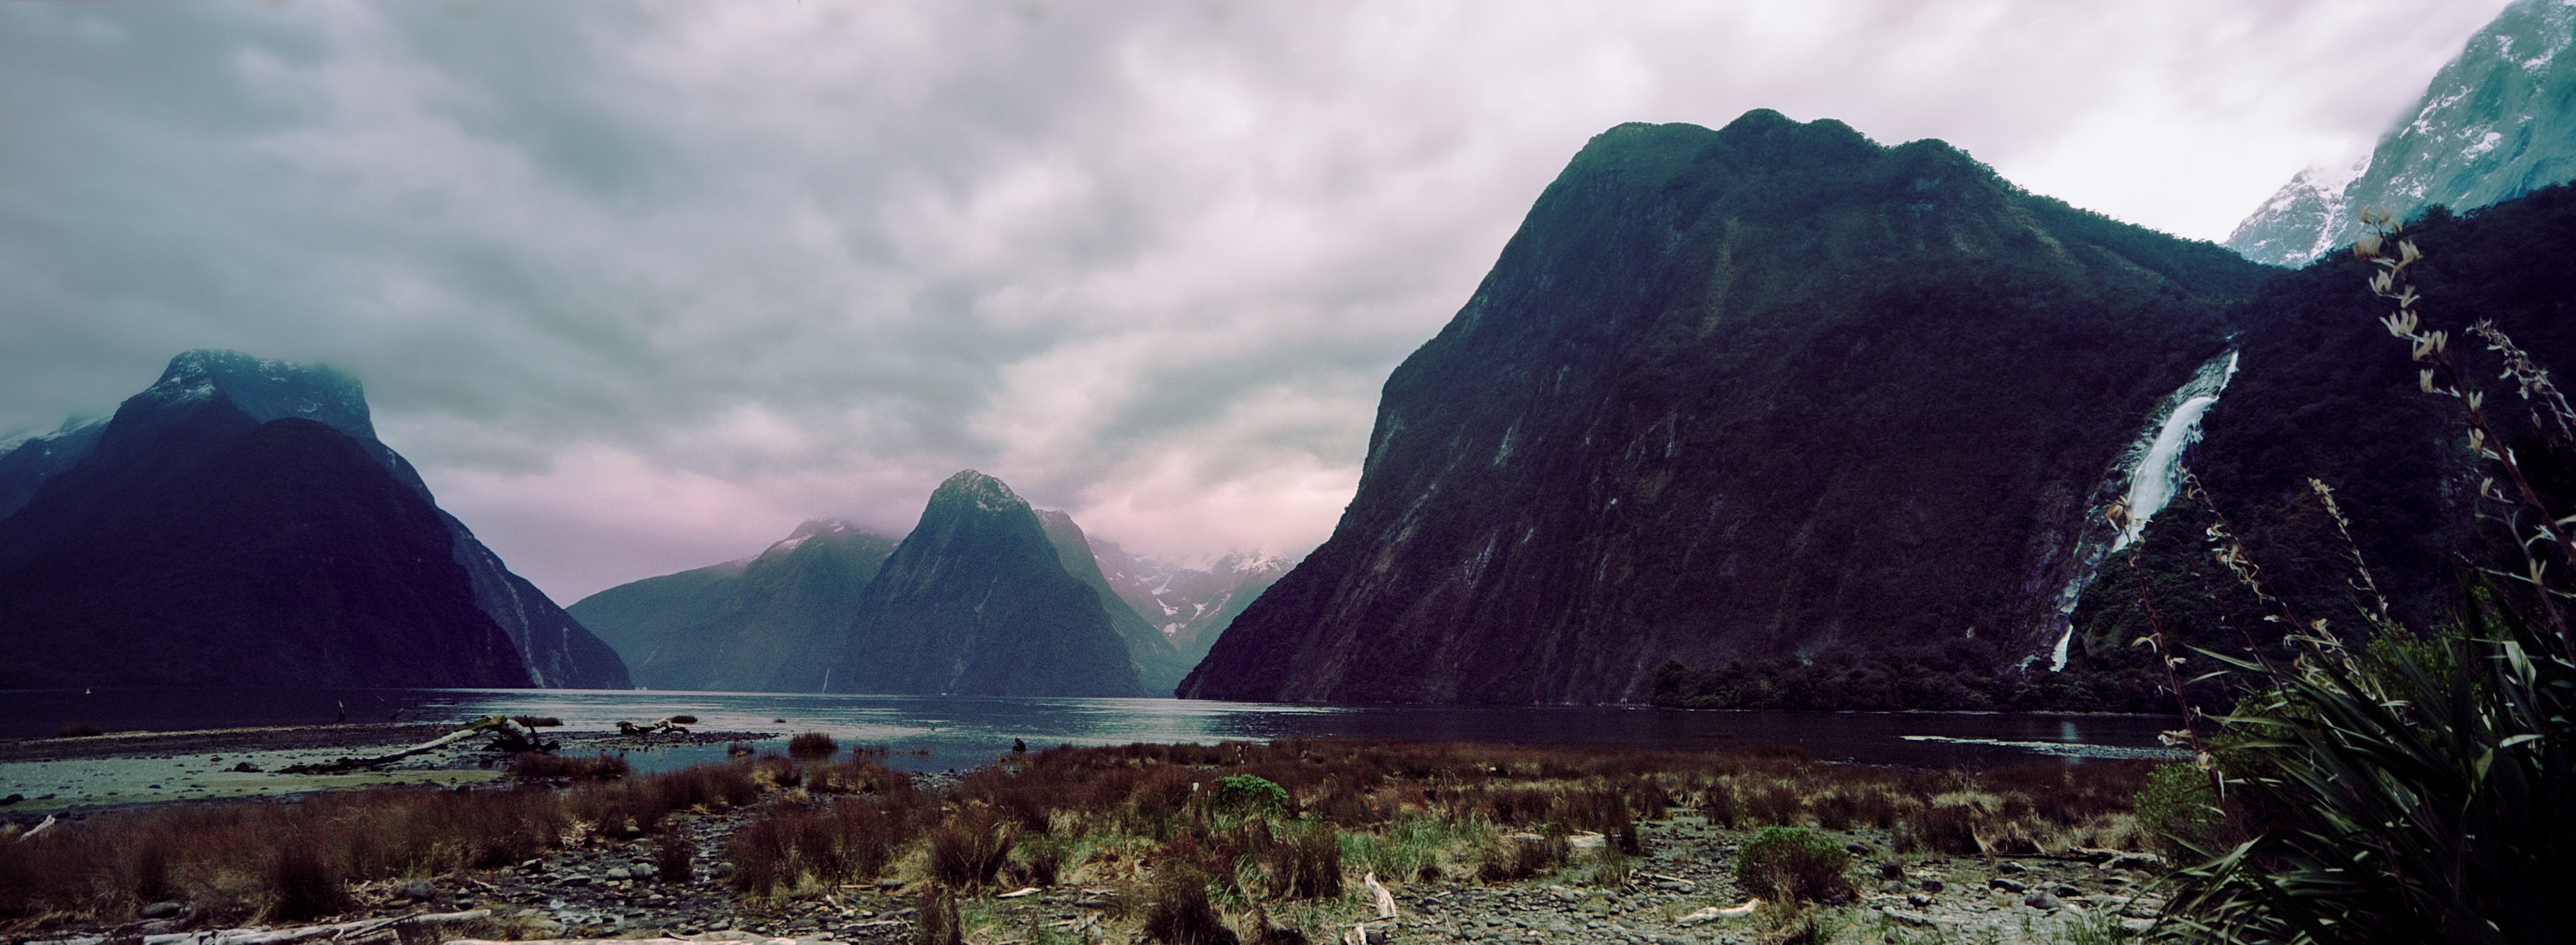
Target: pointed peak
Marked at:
822, 526
988, 493
268, 389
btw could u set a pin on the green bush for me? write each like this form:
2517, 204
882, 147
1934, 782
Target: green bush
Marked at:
1794, 864
2177, 811
1249, 794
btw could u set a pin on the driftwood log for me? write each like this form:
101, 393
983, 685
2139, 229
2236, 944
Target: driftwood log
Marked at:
510, 733
670, 725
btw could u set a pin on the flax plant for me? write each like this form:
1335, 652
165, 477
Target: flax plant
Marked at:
2407, 794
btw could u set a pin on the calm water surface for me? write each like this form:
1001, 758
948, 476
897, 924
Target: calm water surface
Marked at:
938, 733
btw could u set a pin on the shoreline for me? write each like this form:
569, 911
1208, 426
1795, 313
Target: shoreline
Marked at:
131, 770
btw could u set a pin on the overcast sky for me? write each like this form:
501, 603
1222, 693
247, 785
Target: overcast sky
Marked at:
641, 285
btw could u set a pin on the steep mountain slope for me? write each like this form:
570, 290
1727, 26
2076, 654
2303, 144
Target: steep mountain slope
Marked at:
1191, 606
1768, 390
27, 461
1159, 666
2326, 393
977, 602
772, 622
197, 547
555, 649
2497, 122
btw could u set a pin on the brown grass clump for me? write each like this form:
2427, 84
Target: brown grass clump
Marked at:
305, 885
939, 925
849, 840
812, 745
1941, 828
1181, 914
1305, 864
79, 730
537, 765
970, 848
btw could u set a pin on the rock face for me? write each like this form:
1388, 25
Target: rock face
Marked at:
102, 476
1191, 606
977, 602
1159, 665
1744, 393
772, 622
2497, 122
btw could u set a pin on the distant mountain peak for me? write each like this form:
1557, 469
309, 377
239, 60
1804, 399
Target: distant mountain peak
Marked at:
2495, 123
808, 530
988, 494
268, 389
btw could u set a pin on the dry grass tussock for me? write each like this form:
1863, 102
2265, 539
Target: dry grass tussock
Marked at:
1273, 837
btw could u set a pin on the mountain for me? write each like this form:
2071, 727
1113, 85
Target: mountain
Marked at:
202, 540
1159, 664
556, 651
2326, 393
27, 461
976, 601
1191, 606
2497, 122
1767, 391
772, 622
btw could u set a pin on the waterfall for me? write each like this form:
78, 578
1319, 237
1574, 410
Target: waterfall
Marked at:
2158, 467
2152, 468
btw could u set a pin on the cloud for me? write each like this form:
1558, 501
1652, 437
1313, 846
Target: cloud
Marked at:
639, 285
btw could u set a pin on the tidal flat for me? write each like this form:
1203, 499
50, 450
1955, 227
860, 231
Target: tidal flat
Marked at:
1291, 840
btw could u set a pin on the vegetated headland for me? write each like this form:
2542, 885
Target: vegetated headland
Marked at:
1289, 841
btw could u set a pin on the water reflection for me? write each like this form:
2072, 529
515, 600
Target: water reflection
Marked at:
931, 734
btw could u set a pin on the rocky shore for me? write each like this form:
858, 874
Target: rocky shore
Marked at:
613, 890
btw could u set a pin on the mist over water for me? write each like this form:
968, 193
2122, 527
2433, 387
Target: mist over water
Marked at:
941, 733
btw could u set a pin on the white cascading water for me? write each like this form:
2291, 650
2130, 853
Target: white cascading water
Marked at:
2159, 470
2154, 469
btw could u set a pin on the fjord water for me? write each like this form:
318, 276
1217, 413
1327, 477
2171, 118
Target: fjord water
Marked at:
939, 733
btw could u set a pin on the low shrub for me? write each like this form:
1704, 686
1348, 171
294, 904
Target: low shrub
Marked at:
2177, 810
1794, 864
79, 730
812, 745
1249, 794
